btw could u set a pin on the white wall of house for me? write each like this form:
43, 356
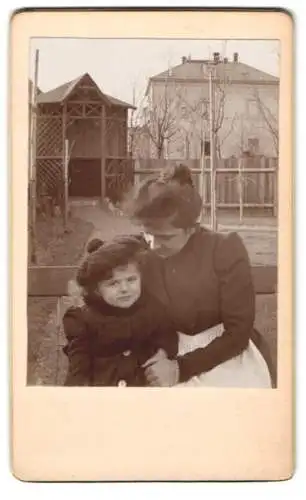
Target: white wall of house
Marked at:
243, 120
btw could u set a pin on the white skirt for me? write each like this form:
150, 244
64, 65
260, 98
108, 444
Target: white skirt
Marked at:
248, 369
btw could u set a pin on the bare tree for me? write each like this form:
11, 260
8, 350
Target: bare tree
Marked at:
139, 141
137, 136
132, 126
153, 121
198, 112
220, 141
269, 118
160, 120
193, 121
221, 90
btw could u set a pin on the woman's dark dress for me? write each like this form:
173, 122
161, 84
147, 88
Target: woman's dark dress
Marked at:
107, 346
207, 283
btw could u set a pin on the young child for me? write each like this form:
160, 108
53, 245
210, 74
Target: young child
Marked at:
120, 326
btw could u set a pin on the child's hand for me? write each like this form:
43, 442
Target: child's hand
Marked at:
160, 354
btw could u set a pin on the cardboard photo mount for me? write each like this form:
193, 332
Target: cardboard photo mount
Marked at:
104, 434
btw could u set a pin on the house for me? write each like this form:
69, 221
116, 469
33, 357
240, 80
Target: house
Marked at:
78, 122
246, 109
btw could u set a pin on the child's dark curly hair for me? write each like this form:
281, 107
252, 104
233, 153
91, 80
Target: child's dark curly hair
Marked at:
103, 257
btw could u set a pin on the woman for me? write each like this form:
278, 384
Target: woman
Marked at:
204, 279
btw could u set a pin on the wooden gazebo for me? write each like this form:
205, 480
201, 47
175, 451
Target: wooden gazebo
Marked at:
95, 127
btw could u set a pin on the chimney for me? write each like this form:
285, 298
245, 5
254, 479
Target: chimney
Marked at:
184, 59
216, 57
236, 56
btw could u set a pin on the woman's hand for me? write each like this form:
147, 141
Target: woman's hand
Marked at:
162, 372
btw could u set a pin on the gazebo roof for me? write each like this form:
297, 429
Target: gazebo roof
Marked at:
61, 94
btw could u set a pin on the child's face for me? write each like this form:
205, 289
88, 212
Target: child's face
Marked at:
123, 289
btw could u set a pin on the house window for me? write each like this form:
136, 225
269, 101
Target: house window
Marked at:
207, 148
183, 111
253, 145
204, 107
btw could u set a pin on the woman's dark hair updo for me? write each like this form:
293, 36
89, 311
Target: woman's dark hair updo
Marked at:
178, 173
94, 244
172, 195
103, 257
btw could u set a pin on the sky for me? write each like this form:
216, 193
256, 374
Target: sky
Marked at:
122, 67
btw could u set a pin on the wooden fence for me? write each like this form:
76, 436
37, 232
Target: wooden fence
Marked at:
247, 183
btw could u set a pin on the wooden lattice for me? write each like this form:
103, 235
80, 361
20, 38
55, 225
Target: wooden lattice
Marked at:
50, 178
50, 109
49, 136
92, 109
74, 109
83, 110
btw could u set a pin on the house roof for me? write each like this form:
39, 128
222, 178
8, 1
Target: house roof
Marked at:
234, 71
58, 94
61, 93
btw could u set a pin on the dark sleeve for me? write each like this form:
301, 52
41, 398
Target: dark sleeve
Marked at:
167, 339
236, 305
165, 336
78, 348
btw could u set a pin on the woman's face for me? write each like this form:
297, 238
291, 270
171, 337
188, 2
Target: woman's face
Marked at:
167, 239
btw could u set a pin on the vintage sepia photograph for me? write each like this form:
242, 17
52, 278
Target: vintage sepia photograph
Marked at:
153, 212
152, 245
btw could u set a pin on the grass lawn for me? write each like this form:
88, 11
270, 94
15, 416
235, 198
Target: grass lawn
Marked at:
266, 322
